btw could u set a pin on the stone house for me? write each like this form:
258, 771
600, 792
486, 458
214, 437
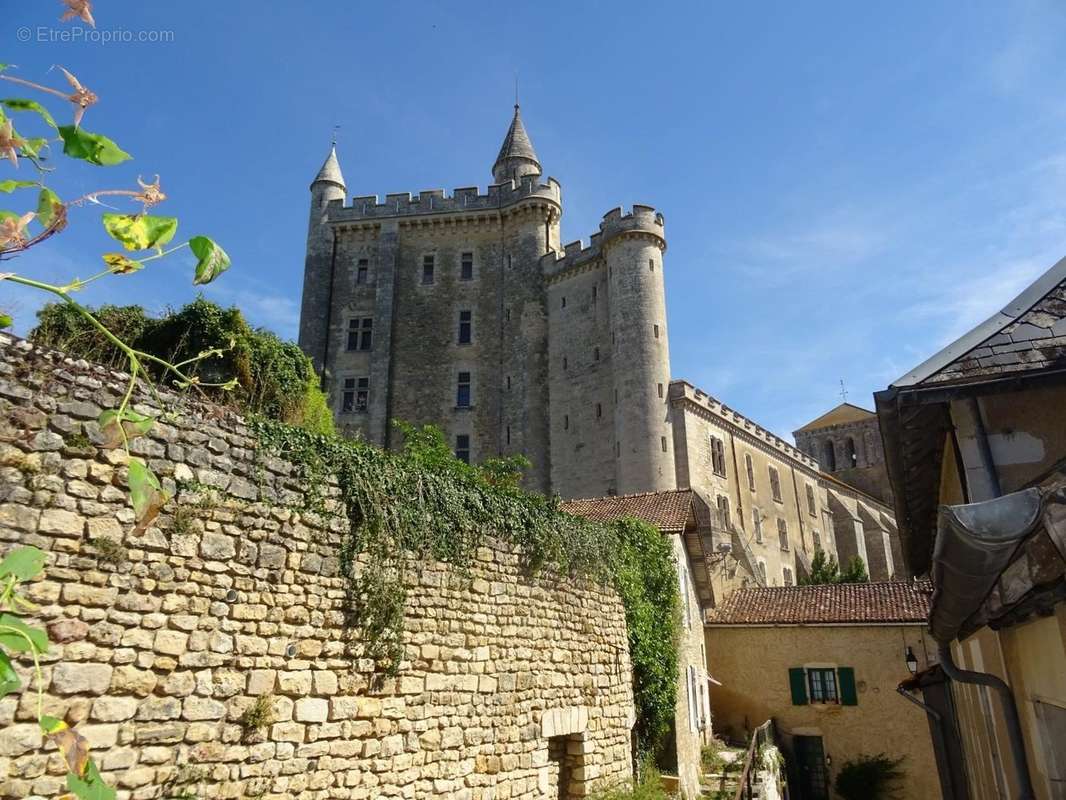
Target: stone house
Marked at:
975, 443
684, 517
823, 662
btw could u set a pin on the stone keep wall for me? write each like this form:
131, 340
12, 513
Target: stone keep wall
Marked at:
510, 683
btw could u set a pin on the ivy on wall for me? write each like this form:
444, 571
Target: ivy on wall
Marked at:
402, 508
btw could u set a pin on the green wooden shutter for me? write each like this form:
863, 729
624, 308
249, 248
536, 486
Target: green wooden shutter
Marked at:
848, 697
797, 679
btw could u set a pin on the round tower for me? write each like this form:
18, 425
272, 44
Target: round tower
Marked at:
517, 157
328, 185
633, 246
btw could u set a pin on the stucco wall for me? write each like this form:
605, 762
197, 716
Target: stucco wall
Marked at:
237, 597
881, 722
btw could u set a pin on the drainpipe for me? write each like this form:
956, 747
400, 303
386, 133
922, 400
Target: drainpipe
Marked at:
1010, 711
972, 409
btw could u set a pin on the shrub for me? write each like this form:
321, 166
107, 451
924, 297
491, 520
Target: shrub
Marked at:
259, 715
870, 778
711, 756
649, 787
272, 377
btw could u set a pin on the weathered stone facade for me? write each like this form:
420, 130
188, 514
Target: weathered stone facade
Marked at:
846, 442
510, 683
482, 323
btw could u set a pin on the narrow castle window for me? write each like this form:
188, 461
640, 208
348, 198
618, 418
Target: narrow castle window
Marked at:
428, 268
749, 466
360, 333
656, 328
466, 267
466, 325
817, 540
566, 422
594, 294
462, 394
507, 314
356, 395
508, 434
362, 271
564, 302
508, 383
599, 411
723, 510
829, 456
717, 456
662, 439
564, 362
775, 484
660, 391
850, 457
786, 575
462, 447
595, 354
651, 264
782, 533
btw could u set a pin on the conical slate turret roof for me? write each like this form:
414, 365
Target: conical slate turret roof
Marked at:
331, 169
516, 143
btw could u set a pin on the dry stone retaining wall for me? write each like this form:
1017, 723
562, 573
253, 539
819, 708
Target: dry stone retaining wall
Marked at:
511, 683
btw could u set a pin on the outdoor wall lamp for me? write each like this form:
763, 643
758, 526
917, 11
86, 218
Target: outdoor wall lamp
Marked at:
912, 661
828, 760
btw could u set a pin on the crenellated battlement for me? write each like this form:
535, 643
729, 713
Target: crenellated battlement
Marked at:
577, 256
436, 201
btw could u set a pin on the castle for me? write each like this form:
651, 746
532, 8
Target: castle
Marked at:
467, 312
464, 311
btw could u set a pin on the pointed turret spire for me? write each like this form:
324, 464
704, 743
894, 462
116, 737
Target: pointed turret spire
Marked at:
517, 157
331, 169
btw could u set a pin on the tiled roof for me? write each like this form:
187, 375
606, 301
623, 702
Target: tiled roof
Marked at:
668, 511
841, 415
857, 603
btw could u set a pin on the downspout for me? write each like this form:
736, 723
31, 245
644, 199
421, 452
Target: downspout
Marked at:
984, 451
1010, 711
323, 382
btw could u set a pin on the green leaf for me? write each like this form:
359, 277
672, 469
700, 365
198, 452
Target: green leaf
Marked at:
9, 186
51, 724
120, 264
92, 147
48, 206
9, 679
32, 147
6, 321
140, 231
11, 640
19, 104
146, 494
25, 563
91, 786
212, 259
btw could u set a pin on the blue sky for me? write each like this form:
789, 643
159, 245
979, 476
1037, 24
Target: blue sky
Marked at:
847, 186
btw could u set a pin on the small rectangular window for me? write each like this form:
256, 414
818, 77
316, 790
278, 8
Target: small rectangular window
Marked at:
462, 447
775, 484
428, 268
817, 541
564, 362
660, 390
466, 326
786, 576
356, 395
723, 510
466, 267
508, 383
663, 440
362, 271
651, 264
717, 456
507, 314
566, 422
782, 533
462, 394
564, 302
508, 434
360, 333
656, 327
595, 354
599, 411
749, 466
822, 686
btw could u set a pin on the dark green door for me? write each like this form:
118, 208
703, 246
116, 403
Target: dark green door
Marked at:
810, 761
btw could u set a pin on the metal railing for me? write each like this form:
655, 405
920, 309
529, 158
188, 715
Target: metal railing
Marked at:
749, 775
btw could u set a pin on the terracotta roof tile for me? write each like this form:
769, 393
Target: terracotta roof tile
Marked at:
668, 511
878, 602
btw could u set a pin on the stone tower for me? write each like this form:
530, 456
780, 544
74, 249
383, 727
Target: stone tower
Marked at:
327, 186
464, 311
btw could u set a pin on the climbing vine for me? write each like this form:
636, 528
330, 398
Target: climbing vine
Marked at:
403, 508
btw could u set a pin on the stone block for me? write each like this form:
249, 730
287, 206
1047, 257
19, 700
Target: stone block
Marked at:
81, 678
